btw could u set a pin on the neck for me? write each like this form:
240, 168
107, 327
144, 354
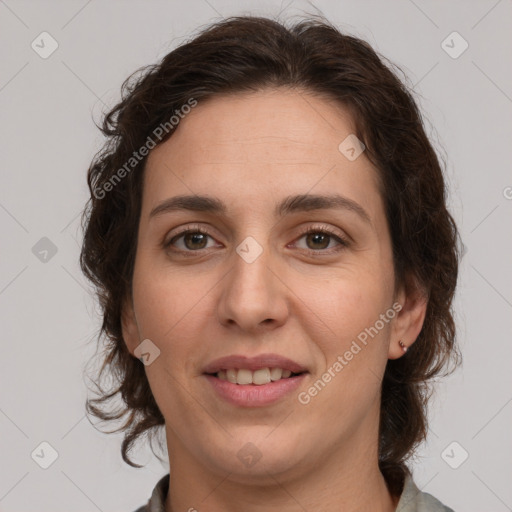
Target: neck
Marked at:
343, 480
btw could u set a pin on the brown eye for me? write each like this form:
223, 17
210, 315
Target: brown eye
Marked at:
194, 241
190, 240
318, 240
321, 241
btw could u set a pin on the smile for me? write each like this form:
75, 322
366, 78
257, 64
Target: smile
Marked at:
260, 377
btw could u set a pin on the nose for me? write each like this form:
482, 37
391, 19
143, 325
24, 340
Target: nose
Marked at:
253, 295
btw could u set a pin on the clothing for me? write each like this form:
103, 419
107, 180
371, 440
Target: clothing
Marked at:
411, 499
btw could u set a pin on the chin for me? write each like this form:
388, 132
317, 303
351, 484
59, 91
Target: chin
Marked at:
259, 459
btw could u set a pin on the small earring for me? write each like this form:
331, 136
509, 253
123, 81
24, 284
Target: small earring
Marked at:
404, 348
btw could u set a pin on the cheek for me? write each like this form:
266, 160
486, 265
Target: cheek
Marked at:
353, 341
175, 312
166, 301
171, 312
346, 306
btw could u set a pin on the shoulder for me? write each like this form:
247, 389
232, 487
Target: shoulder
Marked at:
411, 499
414, 500
157, 501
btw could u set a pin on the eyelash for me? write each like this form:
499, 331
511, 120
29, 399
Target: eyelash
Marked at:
343, 243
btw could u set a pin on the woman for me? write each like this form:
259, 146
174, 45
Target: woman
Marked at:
269, 238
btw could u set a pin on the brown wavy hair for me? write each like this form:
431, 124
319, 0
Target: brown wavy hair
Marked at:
242, 54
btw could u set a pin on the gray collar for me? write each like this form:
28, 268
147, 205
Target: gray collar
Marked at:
411, 499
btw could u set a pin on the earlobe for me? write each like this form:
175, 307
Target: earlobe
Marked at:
397, 349
129, 326
409, 321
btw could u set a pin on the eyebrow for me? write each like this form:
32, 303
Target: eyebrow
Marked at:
291, 204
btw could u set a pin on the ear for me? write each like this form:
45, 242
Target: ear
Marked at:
408, 323
129, 326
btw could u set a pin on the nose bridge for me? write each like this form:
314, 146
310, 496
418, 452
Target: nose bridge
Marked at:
251, 293
251, 267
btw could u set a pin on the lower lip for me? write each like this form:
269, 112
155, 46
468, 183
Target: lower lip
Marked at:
252, 395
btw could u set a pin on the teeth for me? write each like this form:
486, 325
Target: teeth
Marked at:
244, 377
276, 373
259, 377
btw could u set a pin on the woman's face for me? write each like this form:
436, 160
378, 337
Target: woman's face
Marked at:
251, 283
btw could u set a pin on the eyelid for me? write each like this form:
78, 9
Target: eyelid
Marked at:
324, 228
342, 239
183, 230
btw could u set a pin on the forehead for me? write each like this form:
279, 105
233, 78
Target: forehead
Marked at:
268, 143
294, 121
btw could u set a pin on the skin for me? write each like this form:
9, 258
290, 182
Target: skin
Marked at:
251, 151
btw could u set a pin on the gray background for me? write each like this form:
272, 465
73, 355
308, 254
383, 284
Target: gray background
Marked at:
49, 318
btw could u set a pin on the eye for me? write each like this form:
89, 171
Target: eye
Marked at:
321, 239
318, 239
189, 240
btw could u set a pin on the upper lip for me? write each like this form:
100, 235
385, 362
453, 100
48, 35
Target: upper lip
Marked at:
254, 363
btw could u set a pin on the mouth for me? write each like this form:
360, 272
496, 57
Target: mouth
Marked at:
254, 381
245, 377
257, 370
